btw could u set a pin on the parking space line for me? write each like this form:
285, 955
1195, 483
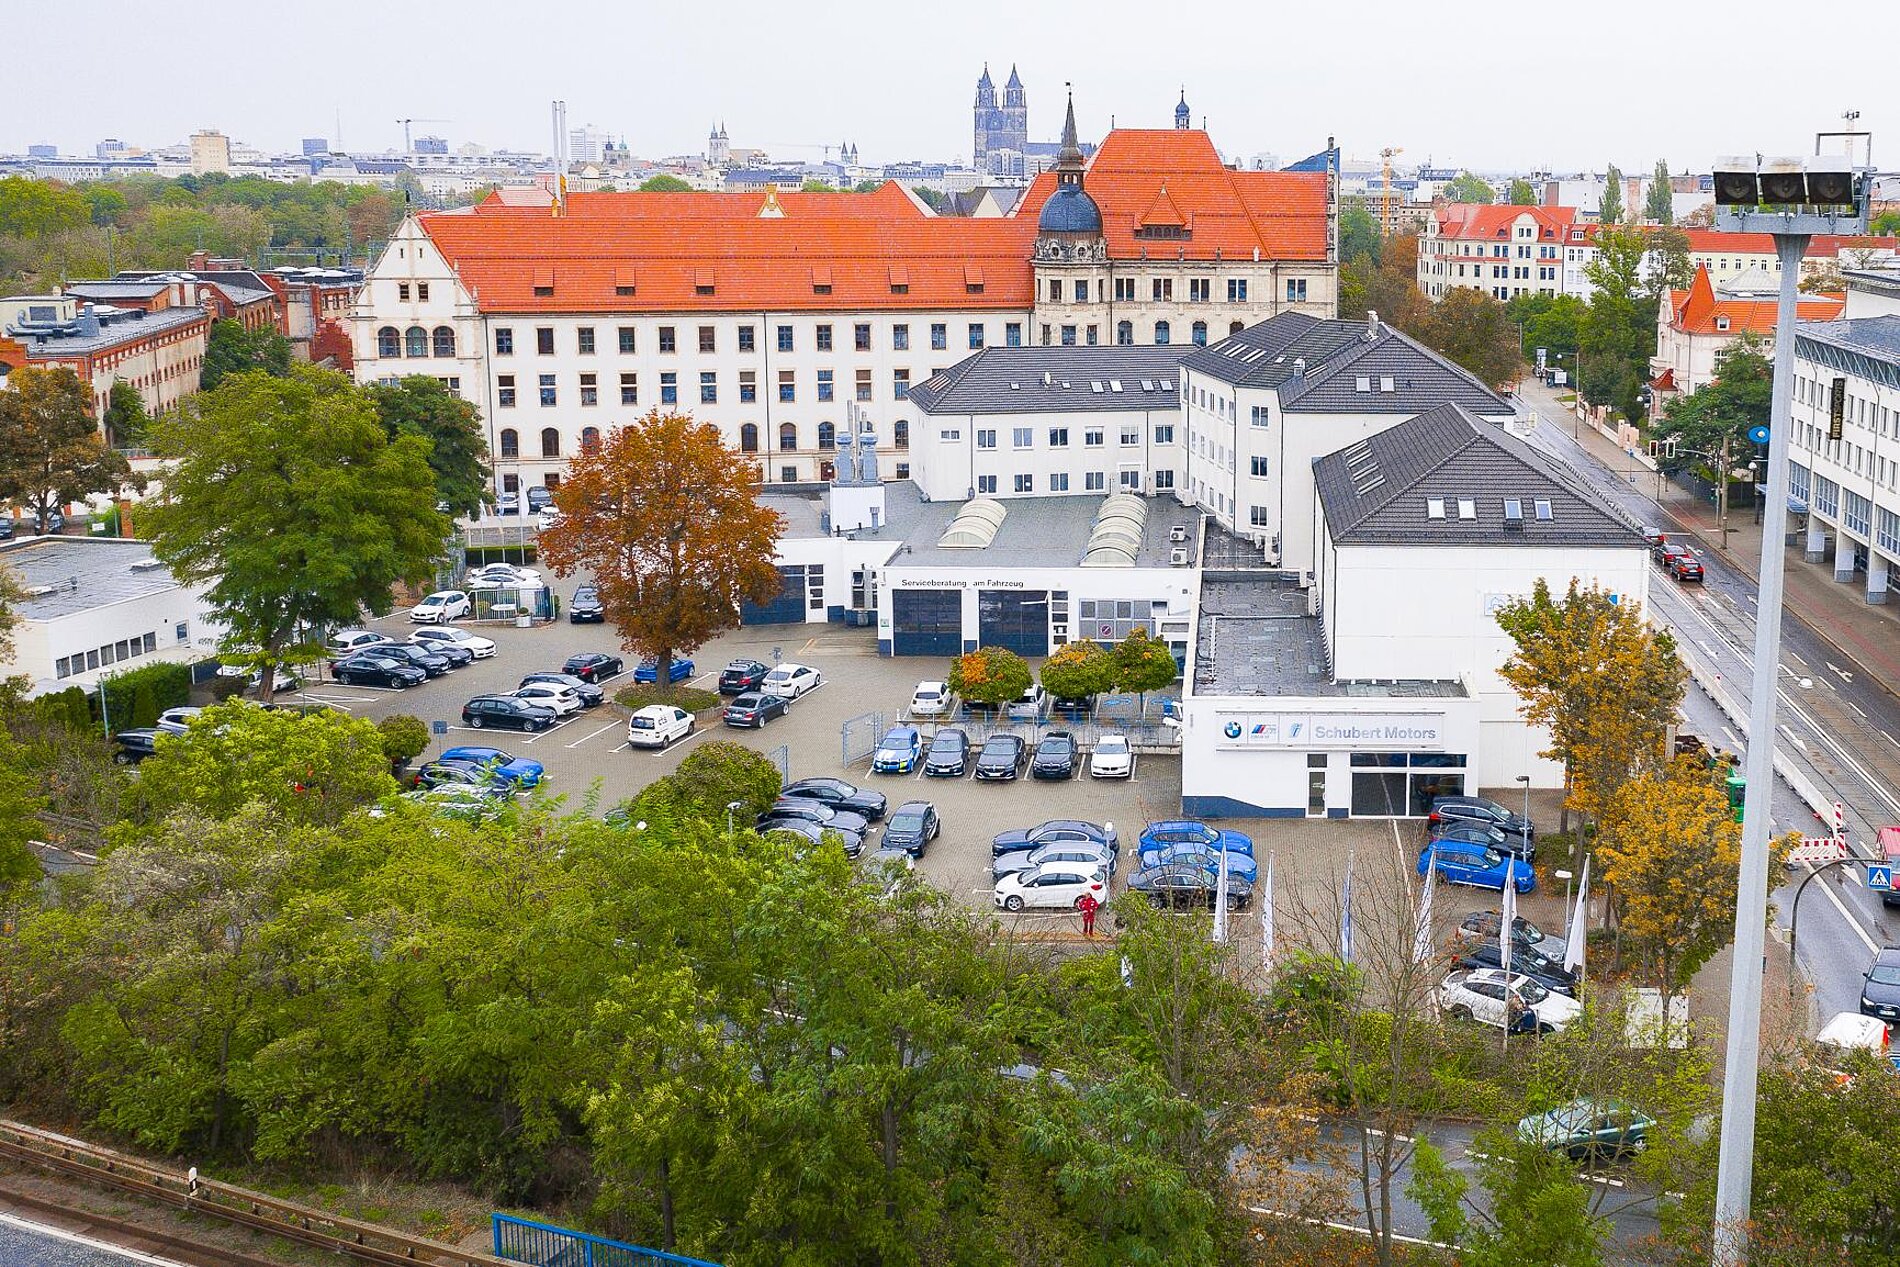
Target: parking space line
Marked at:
543, 734
612, 725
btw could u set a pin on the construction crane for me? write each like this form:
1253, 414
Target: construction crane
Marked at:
1385, 197
408, 147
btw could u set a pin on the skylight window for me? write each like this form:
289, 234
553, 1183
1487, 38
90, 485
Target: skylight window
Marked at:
1386, 384
1467, 508
1513, 508
1114, 384
1542, 508
1434, 508
1362, 384
1147, 384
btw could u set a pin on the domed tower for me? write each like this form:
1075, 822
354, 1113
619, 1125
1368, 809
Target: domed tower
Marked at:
1071, 259
1181, 112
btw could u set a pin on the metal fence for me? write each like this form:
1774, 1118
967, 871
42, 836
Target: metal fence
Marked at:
781, 757
544, 1245
859, 736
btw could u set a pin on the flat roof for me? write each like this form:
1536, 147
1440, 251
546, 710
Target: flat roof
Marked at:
1043, 532
1255, 639
65, 576
141, 325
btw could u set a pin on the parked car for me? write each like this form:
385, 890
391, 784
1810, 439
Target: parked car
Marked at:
6, 525
819, 812
1589, 1131
1470, 833
1880, 988
1188, 831
1055, 756
590, 695
741, 676
509, 769
504, 576
1495, 998
551, 695
948, 756
539, 495
346, 642
792, 680
1002, 757
175, 721
1054, 831
815, 833
584, 608
898, 751
370, 669
1669, 556
455, 654
1660, 546
839, 795
507, 712
470, 804
49, 522
452, 772
1480, 925
1208, 860
1685, 567
432, 663
439, 636
1182, 884
443, 605
911, 827
1028, 705
1539, 967
754, 709
930, 699
658, 725
678, 669
134, 745
1081, 853
286, 679
546, 518
1058, 885
594, 666
1112, 757
1475, 865
1479, 809
508, 504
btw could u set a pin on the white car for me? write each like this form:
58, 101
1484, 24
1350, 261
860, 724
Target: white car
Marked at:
658, 725
562, 699
930, 699
1488, 995
480, 648
548, 517
1054, 884
1029, 706
1112, 758
350, 641
503, 576
440, 607
175, 721
792, 680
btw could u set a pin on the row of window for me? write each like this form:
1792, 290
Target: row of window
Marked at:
414, 342
1161, 290
1093, 437
1059, 482
112, 653
587, 343
509, 440
547, 388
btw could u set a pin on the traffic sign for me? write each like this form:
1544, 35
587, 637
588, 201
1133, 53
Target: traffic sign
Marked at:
1758, 435
1879, 875
438, 728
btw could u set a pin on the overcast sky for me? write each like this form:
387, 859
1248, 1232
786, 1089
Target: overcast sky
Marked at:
1481, 84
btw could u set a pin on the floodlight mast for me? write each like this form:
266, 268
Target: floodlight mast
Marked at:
1791, 199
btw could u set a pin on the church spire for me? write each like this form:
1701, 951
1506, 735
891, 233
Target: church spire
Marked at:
1181, 114
1071, 152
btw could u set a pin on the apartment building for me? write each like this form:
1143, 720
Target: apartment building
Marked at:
1846, 478
1500, 251
1695, 326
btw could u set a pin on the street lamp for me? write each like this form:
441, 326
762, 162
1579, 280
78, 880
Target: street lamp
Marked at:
1792, 200
1525, 779
731, 806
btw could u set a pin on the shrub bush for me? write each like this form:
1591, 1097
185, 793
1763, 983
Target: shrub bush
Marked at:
404, 737
169, 684
692, 699
224, 688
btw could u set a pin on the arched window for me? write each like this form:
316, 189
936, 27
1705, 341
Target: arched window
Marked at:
1161, 332
1200, 334
1124, 332
388, 342
827, 436
590, 439
787, 436
444, 341
415, 341
749, 438
510, 443
550, 442
900, 434
1236, 327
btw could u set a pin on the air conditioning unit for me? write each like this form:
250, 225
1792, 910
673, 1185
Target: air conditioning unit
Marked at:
1178, 533
1178, 557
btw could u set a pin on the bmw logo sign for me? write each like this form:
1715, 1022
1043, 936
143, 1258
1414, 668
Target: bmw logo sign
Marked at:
1233, 730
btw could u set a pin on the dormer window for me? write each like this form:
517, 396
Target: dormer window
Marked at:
1721, 323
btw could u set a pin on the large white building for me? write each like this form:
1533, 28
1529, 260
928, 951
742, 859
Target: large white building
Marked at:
1500, 251
1848, 482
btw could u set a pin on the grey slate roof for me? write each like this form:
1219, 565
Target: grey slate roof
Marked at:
1376, 492
1878, 337
1010, 381
1337, 355
80, 574
141, 325
107, 292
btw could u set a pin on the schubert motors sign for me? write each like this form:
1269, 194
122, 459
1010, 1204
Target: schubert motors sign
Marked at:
1368, 731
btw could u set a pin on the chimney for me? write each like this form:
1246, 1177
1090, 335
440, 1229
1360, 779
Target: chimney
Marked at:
1372, 325
1299, 368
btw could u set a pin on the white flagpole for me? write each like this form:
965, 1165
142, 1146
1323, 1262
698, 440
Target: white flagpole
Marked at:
1422, 935
1505, 924
1266, 919
1345, 914
1579, 932
1220, 897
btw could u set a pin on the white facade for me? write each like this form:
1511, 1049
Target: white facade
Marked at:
1849, 486
1074, 453
1499, 251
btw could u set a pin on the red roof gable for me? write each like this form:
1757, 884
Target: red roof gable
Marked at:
1698, 310
1494, 222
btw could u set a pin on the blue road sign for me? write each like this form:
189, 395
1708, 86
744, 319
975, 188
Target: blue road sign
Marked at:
438, 728
1758, 435
1879, 875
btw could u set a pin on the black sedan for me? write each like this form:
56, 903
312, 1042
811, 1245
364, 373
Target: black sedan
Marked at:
593, 666
948, 756
818, 812
134, 745
452, 772
742, 676
1880, 988
586, 608
816, 833
1055, 757
1002, 757
506, 711
369, 669
912, 826
1525, 962
754, 709
839, 795
1181, 884
429, 660
1057, 831
589, 693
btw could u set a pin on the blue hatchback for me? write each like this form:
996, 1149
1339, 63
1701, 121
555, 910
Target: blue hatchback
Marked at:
1188, 831
898, 751
1476, 865
1161, 855
677, 670
518, 770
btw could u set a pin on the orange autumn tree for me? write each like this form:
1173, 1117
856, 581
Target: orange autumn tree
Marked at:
666, 518
989, 675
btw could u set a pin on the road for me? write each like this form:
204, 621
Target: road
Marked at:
1838, 726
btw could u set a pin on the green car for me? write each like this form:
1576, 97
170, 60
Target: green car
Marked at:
1589, 1130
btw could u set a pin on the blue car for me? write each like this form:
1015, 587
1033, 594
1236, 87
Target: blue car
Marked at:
1187, 831
1479, 866
508, 769
898, 751
677, 670
1161, 855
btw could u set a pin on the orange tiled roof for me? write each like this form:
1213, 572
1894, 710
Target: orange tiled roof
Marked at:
715, 252
1229, 213
1715, 242
1493, 222
1698, 308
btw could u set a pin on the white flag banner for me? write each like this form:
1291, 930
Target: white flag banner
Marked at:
1579, 924
1345, 914
1266, 918
1128, 974
1507, 925
1422, 935
1220, 900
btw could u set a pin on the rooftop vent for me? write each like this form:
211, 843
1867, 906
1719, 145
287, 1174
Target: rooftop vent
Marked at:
146, 565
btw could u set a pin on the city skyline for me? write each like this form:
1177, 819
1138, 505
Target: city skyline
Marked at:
798, 86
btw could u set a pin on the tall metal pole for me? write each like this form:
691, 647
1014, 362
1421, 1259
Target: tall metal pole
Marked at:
1735, 1171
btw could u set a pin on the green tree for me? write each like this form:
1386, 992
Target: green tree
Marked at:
288, 498
1078, 670
712, 776
1659, 207
13, 592
1610, 205
1668, 266
1466, 187
21, 804
867, 186
404, 737
1551, 322
236, 350
667, 520
989, 675
1144, 663
144, 706
1620, 331
934, 199
1521, 193
50, 449
1358, 231
1472, 329
125, 416
1387, 286
813, 186
1539, 1213
1886, 224
664, 184
31, 208
1725, 409
419, 405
